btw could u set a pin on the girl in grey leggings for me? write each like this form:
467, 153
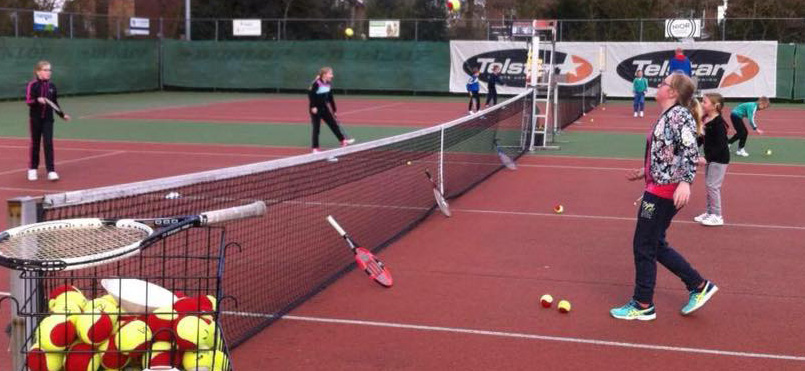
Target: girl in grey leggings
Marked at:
716, 158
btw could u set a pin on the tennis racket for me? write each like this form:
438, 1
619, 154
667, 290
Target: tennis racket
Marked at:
437, 194
365, 259
54, 106
80, 243
504, 158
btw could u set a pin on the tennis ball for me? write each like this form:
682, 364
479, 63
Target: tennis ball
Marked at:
101, 305
82, 357
201, 306
191, 332
592, 119
215, 341
161, 323
768, 152
453, 5
558, 209
564, 306
111, 357
66, 299
546, 301
212, 360
55, 332
132, 336
163, 354
111, 299
408, 163
349, 32
95, 327
40, 360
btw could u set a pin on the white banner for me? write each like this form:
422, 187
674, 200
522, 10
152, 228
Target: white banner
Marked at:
384, 28
139, 26
247, 27
683, 28
575, 65
738, 69
46, 21
735, 69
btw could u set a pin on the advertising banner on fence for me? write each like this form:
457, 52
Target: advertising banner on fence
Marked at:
575, 65
388, 28
46, 21
139, 26
247, 27
734, 69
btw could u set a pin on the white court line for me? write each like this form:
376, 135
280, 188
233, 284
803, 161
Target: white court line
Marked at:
69, 161
519, 335
3, 293
373, 108
619, 218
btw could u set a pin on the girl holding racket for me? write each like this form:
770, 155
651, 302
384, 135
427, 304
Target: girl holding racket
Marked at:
41, 96
669, 168
320, 96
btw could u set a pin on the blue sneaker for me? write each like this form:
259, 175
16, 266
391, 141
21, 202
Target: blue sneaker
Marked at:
699, 297
632, 310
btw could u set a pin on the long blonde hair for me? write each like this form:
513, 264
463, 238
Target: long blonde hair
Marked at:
40, 66
717, 100
323, 71
685, 89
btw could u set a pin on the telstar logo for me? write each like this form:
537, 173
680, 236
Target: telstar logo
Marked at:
713, 68
512, 64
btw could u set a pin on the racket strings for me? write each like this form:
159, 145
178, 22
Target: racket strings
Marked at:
68, 243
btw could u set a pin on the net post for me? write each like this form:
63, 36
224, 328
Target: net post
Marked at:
441, 160
21, 211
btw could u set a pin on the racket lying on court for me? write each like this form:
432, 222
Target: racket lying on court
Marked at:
437, 194
365, 259
80, 243
54, 106
504, 158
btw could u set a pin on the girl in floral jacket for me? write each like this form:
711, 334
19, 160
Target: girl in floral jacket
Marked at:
669, 168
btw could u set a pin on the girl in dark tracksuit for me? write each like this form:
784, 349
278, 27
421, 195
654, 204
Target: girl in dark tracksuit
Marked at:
320, 95
40, 119
491, 86
716, 158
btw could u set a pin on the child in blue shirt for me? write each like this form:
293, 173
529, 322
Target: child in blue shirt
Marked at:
473, 87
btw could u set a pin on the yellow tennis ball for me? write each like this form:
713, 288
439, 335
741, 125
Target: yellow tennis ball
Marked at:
162, 354
110, 298
101, 305
212, 360
768, 152
564, 306
546, 301
67, 302
95, 327
215, 340
408, 163
40, 360
558, 209
82, 357
192, 332
133, 335
349, 32
56, 332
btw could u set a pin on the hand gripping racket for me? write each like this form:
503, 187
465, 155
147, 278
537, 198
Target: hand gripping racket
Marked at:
437, 194
80, 243
54, 106
365, 259
504, 158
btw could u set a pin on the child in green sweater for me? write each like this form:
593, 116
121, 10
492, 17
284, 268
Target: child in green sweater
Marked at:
639, 86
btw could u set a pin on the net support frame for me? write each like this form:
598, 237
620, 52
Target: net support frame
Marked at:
543, 38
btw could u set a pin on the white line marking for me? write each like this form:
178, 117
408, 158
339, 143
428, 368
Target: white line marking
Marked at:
3, 293
69, 161
373, 108
519, 335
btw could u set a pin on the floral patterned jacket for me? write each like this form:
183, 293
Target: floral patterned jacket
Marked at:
672, 147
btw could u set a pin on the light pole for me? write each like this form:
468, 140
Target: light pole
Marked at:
187, 20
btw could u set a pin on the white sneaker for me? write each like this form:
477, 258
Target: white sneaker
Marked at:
635, 114
713, 221
742, 152
54, 176
469, 112
32, 174
315, 150
349, 141
699, 218
641, 113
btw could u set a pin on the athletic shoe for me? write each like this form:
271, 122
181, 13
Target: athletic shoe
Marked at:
713, 220
54, 176
632, 310
699, 297
349, 141
699, 218
469, 112
635, 114
315, 150
641, 113
32, 174
742, 152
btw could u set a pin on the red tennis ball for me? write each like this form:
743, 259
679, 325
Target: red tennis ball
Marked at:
94, 328
163, 354
546, 301
55, 332
161, 322
82, 357
558, 209
133, 336
564, 306
192, 331
66, 299
40, 360
112, 358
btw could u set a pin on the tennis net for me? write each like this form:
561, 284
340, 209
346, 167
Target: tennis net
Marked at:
377, 190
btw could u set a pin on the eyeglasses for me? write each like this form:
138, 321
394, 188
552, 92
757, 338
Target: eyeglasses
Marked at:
663, 83
46, 69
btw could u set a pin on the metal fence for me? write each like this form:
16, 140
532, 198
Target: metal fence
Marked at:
19, 23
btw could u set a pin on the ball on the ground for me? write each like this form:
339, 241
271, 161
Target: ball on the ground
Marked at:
56, 332
564, 306
558, 209
132, 336
408, 162
592, 119
40, 360
768, 152
191, 332
82, 357
349, 32
173, 195
546, 301
212, 360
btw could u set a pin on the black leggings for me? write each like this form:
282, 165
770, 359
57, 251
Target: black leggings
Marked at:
740, 131
492, 96
329, 120
41, 134
474, 95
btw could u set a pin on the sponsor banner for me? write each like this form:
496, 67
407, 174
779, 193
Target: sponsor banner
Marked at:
573, 64
247, 27
139, 26
46, 21
738, 69
683, 28
384, 28
734, 69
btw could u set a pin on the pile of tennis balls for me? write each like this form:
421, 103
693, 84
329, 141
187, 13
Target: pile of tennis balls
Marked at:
90, 335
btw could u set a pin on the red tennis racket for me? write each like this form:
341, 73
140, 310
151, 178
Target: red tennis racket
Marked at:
365, 259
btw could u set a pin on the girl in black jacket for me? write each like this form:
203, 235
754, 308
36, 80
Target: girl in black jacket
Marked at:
39, 95
716, 158
322, 107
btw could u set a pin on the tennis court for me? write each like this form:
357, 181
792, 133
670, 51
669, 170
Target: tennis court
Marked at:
467, 287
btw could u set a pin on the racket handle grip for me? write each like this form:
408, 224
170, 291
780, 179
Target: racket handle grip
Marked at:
251, 210
336, 226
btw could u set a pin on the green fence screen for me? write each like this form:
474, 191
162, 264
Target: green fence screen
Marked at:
799, 74
785, 70
375, 65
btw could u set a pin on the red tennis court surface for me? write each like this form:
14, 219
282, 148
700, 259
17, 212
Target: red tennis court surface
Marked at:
775, 121
377, 112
